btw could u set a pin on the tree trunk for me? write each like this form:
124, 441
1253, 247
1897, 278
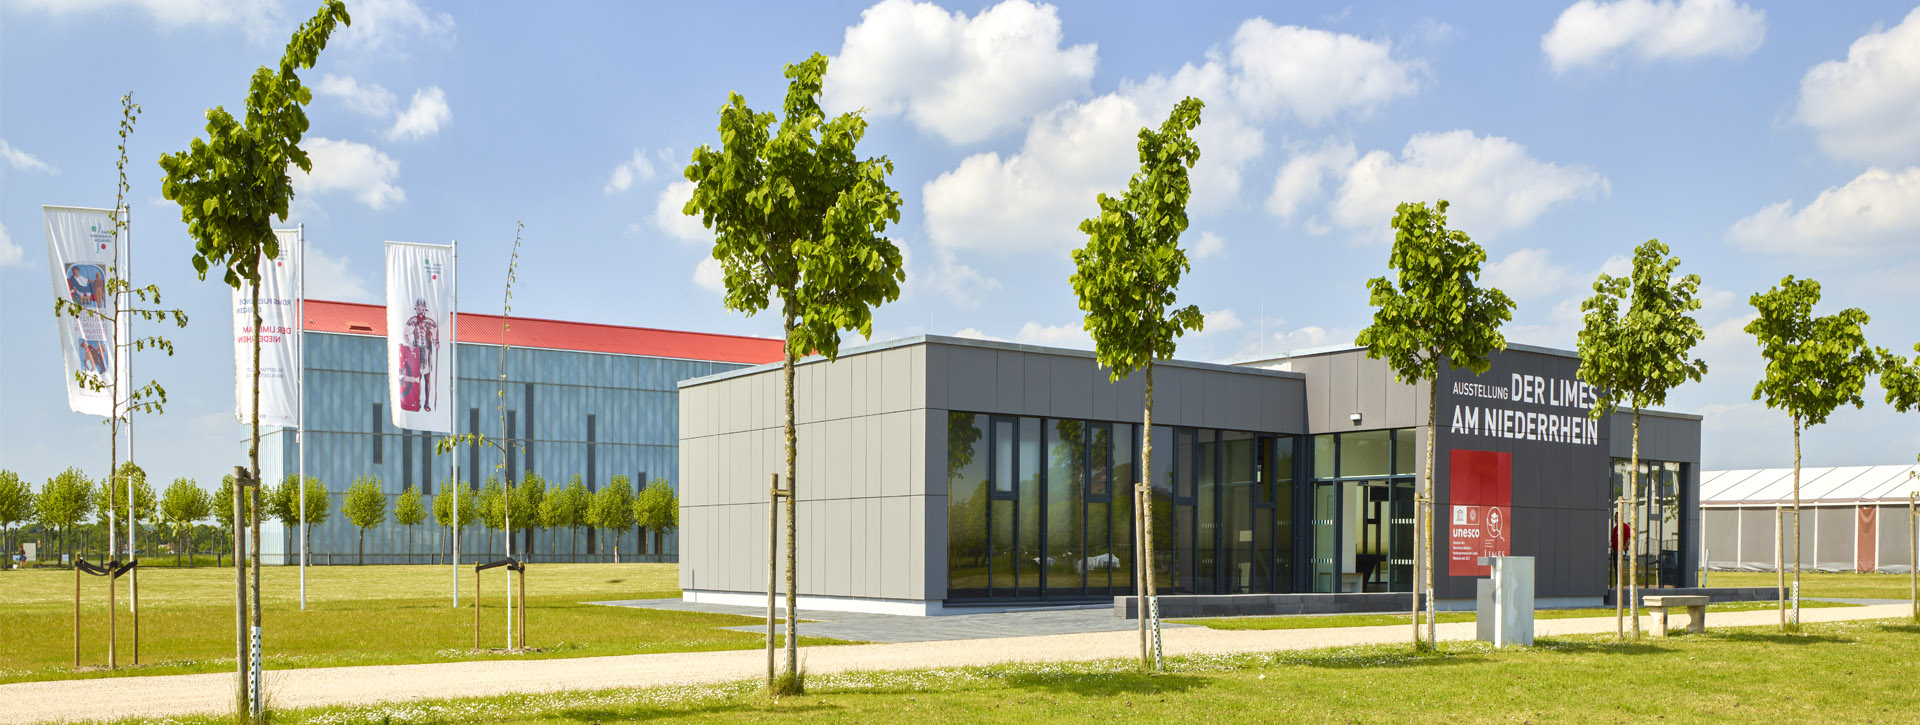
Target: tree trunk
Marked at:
1633, 512
793, 491
363, 548
1149, 621
1796, 521
253, 463
1423, 520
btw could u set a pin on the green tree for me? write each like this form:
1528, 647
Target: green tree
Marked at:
16, 506
797, 218
612, 509
657, 508
491, 507
1127, 278
183, 504
1638, 354
1433, 311
1814, 365
523, 503
409, 512
365, 507
110, 502
444, 513
223, 509
64, 501
1901, 379
283, 504
566, 508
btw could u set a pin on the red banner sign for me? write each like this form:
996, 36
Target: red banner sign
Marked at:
1480, 494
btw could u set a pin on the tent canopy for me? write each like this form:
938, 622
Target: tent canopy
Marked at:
1828, 485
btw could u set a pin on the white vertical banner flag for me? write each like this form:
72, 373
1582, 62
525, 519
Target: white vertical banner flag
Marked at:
419, 317
82, 252
279, 338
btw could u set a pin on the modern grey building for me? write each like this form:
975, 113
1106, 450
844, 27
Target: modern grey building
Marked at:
942, 473
587, 400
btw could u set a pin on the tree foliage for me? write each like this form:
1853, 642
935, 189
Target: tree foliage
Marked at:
233, 183
1635, 357
407, 509
64, 501
365, 507
612, 509
797, 215
443, 504
657, 507
490, 504
16, 505
1900, 378
182, 505
283, 503
1127, 276
110, 502
1434, 309
223, 506
524, 501
1815, 364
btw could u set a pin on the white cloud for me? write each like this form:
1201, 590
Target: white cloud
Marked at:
22, 160
669, 217
1209, 244
425, 116
1526, 274
1492, 183
636, 168
259, 19
370, 99
1302, 178
350, 166
384, 25
708, 275
10, 253
1879, 211
1867, 108
974, 333
1035, 197
1074, 336
1222, 321
963, 79
958, 282
1589, 32
328, 277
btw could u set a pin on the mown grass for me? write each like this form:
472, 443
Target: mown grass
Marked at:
1312, 621
355, 616
1843, 585
1833, 672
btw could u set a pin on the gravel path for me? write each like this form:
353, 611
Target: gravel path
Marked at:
163, 696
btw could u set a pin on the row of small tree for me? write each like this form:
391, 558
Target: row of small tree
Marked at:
69, 498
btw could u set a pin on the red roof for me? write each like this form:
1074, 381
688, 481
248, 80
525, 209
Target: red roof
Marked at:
359, 319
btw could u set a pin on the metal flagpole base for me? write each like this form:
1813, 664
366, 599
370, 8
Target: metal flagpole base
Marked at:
1153, 607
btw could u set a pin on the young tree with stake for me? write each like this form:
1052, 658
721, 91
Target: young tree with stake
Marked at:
1814, 365
658, 509
1433, 311
612, 509
1638, 355
1127, 279
409, 512
797, 218
230, 187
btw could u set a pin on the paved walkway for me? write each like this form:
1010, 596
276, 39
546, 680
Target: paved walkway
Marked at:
986, 624
211, 693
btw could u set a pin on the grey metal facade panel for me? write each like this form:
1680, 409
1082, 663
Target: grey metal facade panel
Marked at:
1071, 383
1343, 393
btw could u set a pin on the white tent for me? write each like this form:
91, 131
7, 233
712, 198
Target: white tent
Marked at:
1852, 518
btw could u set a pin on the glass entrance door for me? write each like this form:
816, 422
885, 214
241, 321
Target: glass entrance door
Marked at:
1326, 536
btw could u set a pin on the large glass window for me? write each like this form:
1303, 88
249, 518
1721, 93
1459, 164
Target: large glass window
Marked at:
1656, 521
966, 505
1362, 517
1207, 504
1237, 515
1030, 485
1365, 453
1066, 505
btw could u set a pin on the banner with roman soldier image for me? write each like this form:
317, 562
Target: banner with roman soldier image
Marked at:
83, 251
420, 336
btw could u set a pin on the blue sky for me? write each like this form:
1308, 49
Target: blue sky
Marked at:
1756, 139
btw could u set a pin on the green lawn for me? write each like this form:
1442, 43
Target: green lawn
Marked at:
1311, 621
355, 616
1835, 672
1817, 584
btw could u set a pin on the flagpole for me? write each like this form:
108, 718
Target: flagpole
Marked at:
300, 404
453, 368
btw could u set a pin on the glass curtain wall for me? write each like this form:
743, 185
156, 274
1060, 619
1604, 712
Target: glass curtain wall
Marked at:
1656, 521
1042, 508
1362, 511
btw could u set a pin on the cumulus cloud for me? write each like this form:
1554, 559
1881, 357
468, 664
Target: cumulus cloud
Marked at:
1867, 107
370, 99
959, 283
387, 25
1302, 178
10, 253
963, 79
425, 116
370, 175
669, 217
1222, 321
259, 19
1591, 33
1207, 245
1036, 196
1491, 181
634, 169
1035, 333
23, 161
1879, 211
330, 277
708, 275
1526, 274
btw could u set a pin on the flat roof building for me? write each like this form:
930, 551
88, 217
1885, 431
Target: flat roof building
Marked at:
939, 473
581, 399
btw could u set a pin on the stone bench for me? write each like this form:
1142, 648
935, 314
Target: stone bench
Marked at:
1696, 605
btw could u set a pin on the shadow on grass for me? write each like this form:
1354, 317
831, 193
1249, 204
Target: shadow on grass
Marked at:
1901, 628
1103, 684
1781, 638
1377, 658
737, 711
1612, 647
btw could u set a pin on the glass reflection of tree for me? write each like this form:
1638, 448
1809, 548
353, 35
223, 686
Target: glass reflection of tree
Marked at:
1069, 515
967, 510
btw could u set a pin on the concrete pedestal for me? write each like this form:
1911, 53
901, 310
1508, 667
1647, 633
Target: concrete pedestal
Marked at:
1505, 612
